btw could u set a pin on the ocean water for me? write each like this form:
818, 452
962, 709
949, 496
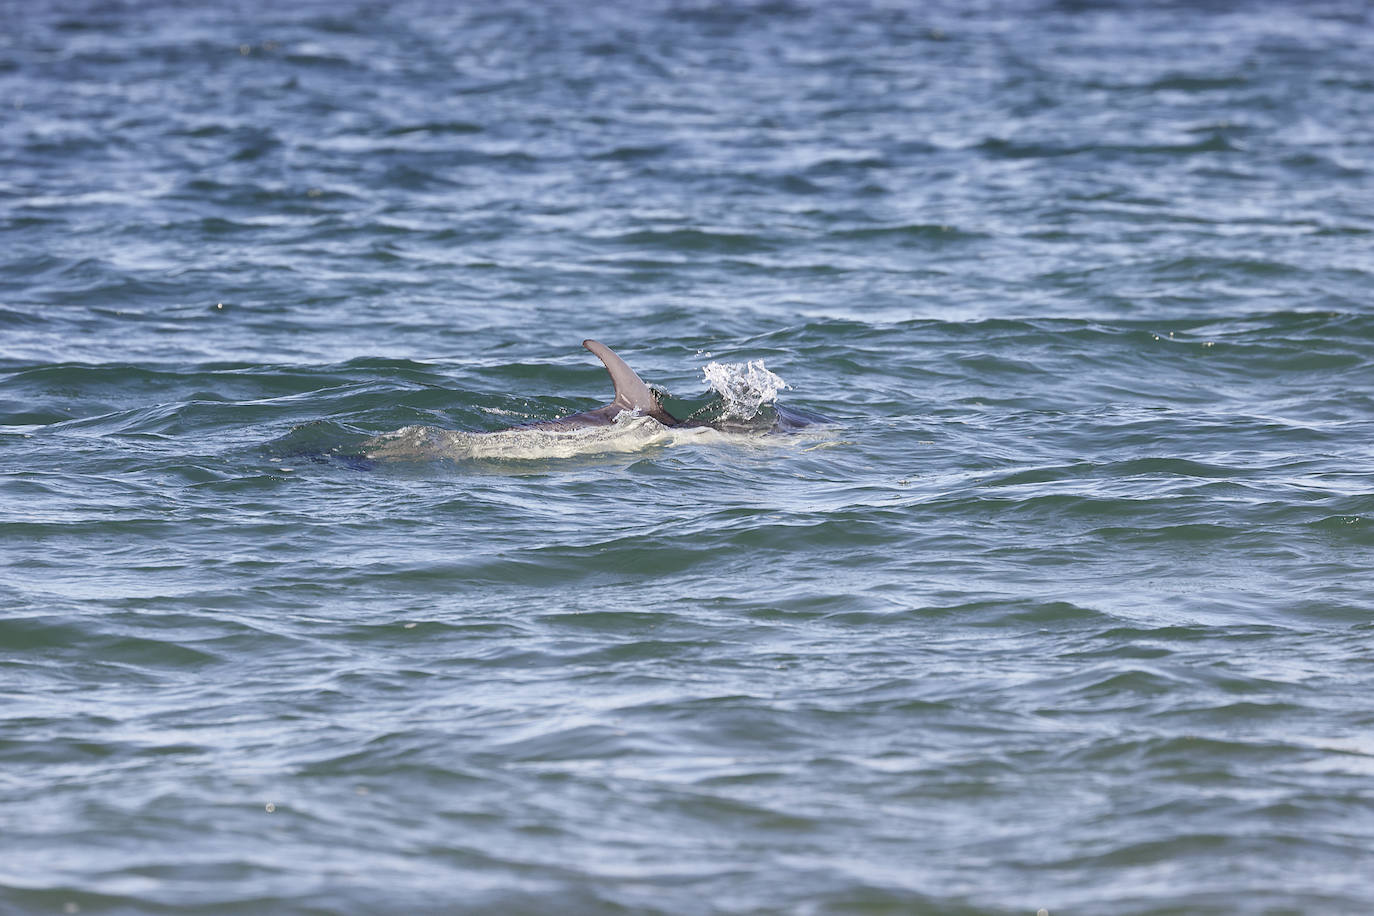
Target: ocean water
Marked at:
1068, 606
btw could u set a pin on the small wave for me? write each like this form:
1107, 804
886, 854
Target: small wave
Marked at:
909, 233
436, 128
694, 240
1002, 148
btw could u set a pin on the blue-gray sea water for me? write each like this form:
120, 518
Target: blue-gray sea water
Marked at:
1070, 605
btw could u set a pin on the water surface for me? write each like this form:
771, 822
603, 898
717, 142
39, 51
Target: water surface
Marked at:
1068, 608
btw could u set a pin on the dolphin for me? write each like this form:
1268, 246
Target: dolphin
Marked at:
634, 396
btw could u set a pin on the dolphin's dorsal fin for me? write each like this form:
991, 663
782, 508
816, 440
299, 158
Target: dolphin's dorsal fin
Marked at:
630, 391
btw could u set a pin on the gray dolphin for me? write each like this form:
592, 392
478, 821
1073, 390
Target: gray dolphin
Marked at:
632, 395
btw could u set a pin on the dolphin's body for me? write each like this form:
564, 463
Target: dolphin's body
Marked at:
637, 398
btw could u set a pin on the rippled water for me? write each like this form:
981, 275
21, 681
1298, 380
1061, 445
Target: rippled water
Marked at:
1069, 606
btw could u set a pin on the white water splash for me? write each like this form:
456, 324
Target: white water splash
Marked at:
629, 433
745, 387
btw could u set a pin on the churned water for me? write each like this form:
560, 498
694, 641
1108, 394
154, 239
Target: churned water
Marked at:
1069, 605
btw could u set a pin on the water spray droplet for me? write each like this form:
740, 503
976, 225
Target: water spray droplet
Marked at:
745, 387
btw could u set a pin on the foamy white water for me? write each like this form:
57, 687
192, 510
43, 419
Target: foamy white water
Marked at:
629, 433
